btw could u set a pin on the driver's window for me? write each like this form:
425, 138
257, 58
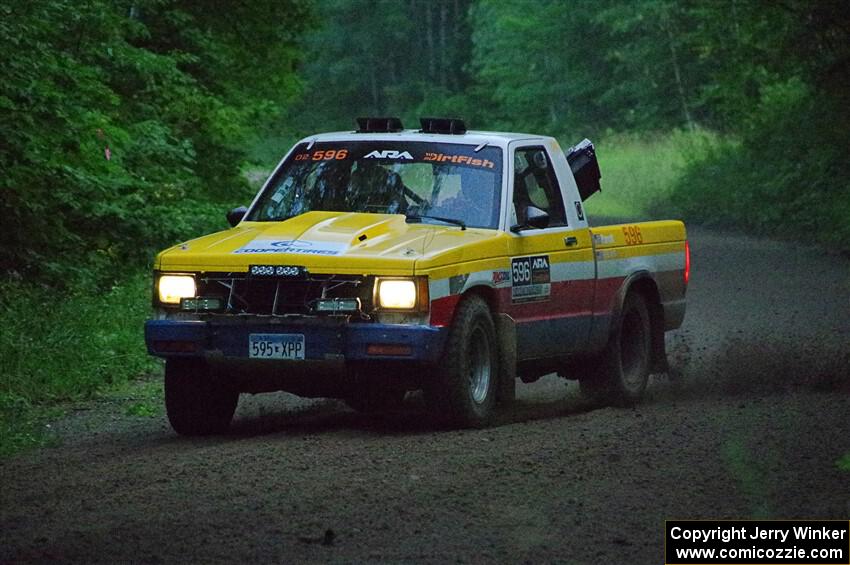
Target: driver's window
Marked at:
535, 184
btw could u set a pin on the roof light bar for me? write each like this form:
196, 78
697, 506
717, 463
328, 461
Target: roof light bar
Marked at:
450, 126
379, 125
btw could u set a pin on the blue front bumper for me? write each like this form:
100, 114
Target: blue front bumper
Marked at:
324, 339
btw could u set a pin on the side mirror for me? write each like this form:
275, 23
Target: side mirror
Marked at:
235, 216
535, 218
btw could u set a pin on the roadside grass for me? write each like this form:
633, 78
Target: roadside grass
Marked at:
640, 173
69, 347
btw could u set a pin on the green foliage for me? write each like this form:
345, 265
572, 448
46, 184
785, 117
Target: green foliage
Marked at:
785, 172
171, 89
144, 409
66, 345
592, 67
63, 345
789, 176
382, 57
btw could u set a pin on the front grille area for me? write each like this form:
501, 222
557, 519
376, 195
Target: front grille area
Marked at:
268, 296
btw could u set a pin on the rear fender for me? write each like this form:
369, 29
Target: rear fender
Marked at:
643, 283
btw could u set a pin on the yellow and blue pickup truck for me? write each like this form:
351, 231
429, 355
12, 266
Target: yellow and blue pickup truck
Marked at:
383, 260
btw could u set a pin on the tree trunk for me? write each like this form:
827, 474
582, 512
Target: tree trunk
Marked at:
429, 40
443, 24
674, 57
457, 41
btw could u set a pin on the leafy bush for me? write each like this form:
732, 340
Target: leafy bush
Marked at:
788, 176
123, 124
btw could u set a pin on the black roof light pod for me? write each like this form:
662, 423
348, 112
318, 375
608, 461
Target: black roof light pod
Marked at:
450, 126
379, 125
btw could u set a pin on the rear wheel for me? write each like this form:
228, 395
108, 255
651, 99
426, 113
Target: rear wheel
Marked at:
196, 400
464, 389
620, 375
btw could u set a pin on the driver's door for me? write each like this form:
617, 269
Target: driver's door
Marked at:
552, 267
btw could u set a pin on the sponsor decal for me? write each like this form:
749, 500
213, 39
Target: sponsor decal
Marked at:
600, 239
501, 277
459, 160
579, 211
292, 247
389, 154
530, 279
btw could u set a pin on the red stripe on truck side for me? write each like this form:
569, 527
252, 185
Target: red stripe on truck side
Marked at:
567, 298
443, 310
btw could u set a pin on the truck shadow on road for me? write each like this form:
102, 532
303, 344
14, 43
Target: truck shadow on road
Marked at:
330, 416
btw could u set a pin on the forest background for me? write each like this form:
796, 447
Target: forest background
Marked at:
129, 125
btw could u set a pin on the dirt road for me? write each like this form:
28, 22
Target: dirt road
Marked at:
757, 426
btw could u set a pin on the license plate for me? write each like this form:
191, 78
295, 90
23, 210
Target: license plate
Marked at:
276, 346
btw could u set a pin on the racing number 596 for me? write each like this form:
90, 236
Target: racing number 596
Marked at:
330, 154
632, 235
521, 271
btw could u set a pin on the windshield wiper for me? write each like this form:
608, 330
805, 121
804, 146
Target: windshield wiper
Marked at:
419, 217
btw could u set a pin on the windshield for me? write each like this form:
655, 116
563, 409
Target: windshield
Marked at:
418, 179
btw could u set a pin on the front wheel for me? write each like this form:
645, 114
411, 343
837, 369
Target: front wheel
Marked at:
621, 374
463, 392
197, 402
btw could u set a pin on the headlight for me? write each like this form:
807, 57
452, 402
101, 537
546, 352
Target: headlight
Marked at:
174, 287
397, 294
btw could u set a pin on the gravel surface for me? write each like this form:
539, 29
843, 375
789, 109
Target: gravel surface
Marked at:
753, 424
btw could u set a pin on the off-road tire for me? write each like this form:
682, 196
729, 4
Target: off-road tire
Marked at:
463, 391
506, 394
197, 401
620, 374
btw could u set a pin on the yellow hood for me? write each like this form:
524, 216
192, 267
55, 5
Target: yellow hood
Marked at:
333, 242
